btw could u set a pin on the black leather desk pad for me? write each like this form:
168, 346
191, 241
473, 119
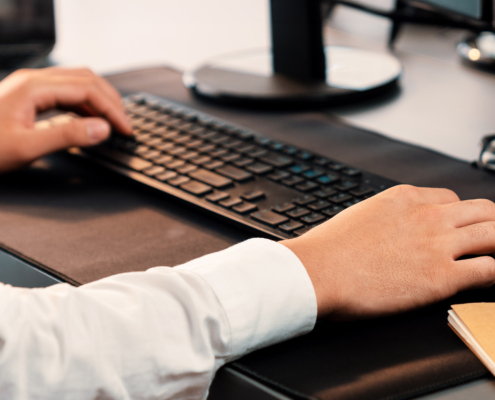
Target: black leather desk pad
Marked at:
83, 223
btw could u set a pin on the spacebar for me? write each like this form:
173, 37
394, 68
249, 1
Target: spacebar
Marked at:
135, 163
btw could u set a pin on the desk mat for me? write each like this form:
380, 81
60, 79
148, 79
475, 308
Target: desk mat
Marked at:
83, 223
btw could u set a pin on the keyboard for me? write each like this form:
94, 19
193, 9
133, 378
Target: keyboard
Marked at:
272, 188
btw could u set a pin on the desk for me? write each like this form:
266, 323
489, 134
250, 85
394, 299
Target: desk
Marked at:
388, 116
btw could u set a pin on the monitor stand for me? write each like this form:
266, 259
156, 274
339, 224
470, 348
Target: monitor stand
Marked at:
298, 70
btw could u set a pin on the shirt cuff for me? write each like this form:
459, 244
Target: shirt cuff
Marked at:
264, 290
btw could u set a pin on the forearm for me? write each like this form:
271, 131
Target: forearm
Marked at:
156, 334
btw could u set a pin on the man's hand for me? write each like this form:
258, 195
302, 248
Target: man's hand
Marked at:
397, 251
26, 92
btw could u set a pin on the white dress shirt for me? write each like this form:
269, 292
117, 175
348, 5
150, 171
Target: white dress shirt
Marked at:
159, 334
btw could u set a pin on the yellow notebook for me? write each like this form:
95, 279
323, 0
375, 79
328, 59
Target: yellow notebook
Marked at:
475, 325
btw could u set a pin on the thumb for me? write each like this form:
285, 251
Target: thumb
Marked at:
76, 132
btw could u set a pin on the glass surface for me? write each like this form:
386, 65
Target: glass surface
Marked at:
26, 21
468, 8
18, 273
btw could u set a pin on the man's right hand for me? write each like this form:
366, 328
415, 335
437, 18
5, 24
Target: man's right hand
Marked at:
398, 251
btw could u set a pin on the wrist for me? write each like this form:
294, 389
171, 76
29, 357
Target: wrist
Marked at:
321, 277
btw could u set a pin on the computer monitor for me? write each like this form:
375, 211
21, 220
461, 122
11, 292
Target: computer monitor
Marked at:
27, 32
473, 9
298, 69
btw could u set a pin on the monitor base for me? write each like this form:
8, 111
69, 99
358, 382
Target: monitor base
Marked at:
246, 79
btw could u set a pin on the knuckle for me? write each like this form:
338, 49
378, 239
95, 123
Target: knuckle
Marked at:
408, 191
451, 195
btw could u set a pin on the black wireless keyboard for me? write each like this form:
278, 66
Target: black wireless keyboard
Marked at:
270, 187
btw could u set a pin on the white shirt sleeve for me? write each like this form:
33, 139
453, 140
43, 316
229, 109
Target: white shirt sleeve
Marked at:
161, 334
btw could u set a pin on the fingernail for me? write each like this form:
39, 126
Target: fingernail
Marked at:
97, 130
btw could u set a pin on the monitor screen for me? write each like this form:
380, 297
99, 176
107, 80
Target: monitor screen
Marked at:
466, 8
28, 21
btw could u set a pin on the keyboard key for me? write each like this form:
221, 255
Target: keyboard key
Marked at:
302, 231
132, 162
154, 170
328, 179
232, 143
340, 198
293, 180
335, 166
244, 148
164, 146
185, 169
333, 211
200, 160
307, 186
298, 212
163, 159
259, 168
319, 205
234, 173
283, 208
362, 191
325, 192
269, 217
245, 208
210, 178
291, 150
276, 160
196, 188
253, 195
217, 196
304, 155
206, 148
194, 144
213, 164
218, 152
277, 146
142, 149
228, 203
165, 176
303, 200
189, 155
256, 152
242, 162
346, 185
298, 169
262, 141
351, 202
178, 181
321, 161
313, 173
229, 157
174, 164
351, 171
278, 175
176, 150
312, 218
151, 155
290, 226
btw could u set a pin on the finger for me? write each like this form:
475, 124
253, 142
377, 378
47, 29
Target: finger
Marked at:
473, 273
85, 72
469, 212
74, 91
439, 196
474, 239
77, 132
